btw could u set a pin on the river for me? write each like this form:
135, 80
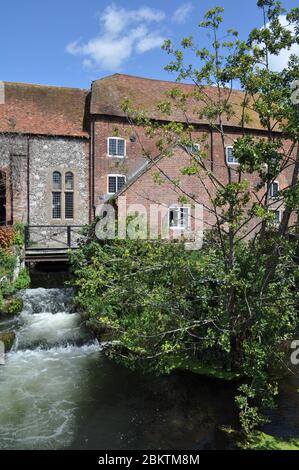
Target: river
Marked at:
58, 391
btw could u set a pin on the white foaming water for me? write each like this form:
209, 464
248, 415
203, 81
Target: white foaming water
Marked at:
47, 300
48, 329
41, 389
47, 320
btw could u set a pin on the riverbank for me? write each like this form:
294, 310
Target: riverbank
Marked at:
13, 277
13, 273
70, 396
262, 441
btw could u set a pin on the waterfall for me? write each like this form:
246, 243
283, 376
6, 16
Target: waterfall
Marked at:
45, 375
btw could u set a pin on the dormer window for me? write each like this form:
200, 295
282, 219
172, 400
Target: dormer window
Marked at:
230, 158
116, 147
115, 183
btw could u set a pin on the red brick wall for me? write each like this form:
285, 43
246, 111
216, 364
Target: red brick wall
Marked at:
145, 190
104, 165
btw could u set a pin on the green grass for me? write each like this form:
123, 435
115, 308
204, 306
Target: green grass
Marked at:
262, 441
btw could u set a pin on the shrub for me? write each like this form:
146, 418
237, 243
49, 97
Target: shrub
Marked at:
23, 281
165, 306
15, 306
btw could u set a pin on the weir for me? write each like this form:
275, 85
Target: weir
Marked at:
41, 379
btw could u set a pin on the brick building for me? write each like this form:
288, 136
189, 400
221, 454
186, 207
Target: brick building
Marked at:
64, 151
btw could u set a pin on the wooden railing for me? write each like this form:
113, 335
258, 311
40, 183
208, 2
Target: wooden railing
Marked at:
52, 237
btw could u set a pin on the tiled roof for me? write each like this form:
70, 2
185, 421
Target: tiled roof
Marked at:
45, 110
145, 94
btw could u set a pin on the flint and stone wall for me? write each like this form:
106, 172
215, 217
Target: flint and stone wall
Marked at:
56, 154
46, 154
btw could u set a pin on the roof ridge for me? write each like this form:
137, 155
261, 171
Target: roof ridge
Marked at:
160, 81
141, 78
37, 85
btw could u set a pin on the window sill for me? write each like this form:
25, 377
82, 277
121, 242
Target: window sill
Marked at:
182, 229
116, 156
61, 221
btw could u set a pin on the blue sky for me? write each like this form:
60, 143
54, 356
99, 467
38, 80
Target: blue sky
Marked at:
71, 42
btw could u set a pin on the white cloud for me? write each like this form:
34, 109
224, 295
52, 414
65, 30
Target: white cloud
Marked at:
277, 63
182, 13
149, 42
123, 32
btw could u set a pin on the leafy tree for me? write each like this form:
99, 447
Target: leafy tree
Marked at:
232, 305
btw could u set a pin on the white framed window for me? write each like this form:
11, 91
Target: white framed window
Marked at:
116, 147
115, 183
193, 148
274, 190
230, 158
179, 218
277, 217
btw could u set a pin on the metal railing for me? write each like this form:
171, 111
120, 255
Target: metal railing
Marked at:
53, 237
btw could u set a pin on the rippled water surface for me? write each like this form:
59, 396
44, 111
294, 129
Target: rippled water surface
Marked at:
58, 391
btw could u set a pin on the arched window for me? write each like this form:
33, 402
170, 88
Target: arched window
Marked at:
63, 195
56, 180
69, 181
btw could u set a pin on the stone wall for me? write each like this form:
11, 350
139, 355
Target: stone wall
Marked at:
46, 154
